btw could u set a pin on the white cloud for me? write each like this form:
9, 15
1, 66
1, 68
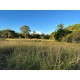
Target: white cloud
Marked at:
37, 32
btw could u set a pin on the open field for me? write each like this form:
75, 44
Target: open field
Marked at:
38, 55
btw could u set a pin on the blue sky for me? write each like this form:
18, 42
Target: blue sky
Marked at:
45, 21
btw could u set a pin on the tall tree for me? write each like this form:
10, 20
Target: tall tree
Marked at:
61, 32
60, 26
25, 30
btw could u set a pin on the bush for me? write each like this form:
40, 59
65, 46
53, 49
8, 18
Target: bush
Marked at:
73, 37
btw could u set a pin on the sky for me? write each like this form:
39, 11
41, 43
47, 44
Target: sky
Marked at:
42, 21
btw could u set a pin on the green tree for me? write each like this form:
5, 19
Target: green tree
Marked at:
52, 35
60, 26
7, 33
25, 30
61, 32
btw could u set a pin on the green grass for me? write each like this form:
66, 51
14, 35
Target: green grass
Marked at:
22, 54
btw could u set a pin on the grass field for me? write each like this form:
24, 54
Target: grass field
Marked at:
22, 54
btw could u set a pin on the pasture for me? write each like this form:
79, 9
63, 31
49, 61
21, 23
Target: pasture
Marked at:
33, 54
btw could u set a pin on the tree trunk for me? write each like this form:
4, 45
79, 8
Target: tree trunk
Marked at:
26, 36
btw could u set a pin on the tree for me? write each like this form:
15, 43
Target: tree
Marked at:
52, 35
46, 36
25, 30
60, 26
61, 32
7, 33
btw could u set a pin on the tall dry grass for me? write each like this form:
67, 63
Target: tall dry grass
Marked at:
38, 55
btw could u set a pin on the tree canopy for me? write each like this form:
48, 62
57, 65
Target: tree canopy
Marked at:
61, 32
25, 30
68, 34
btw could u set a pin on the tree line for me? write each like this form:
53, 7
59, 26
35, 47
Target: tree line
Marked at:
25, 33
68, 34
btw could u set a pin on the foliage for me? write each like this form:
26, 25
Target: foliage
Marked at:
75, 35
25, 30
68, 34
74, 28
60, 26
8, 34
61, 32
52, 35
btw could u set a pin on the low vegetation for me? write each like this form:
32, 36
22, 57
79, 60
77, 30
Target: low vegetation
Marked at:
22, 54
